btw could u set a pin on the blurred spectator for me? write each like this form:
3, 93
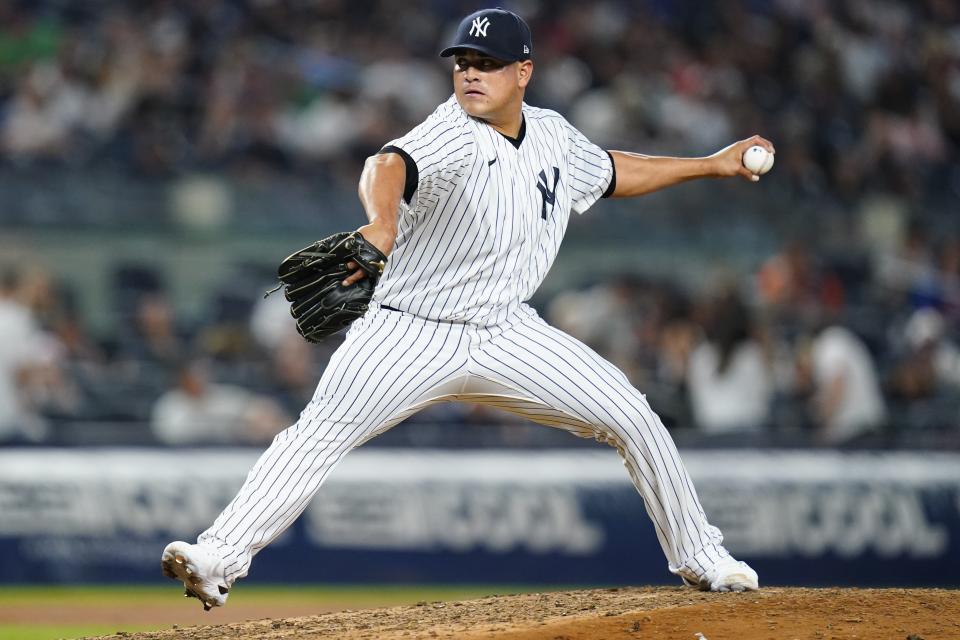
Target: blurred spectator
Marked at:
198, 411
607, 317
679, 336
271, 323
41, 116
33, 383
931, 361
19, 351
293, 377
839, 372
909, 272
949, 264
728, 378
156, 337
791, 282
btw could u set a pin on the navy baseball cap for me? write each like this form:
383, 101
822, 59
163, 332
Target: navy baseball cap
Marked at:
497, 32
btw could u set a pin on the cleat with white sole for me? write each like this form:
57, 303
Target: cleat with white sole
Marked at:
201, 571
726, 575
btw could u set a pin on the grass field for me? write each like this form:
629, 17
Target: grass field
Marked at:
45, 613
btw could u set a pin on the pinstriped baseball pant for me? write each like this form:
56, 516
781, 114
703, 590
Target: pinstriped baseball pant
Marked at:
393, 364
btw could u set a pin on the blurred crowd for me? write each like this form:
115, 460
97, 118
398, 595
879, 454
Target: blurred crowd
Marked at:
859, 94
799, 351
842, 335
237, 375
831, 352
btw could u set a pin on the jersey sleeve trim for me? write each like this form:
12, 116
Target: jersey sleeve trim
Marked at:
613, 178
413, 175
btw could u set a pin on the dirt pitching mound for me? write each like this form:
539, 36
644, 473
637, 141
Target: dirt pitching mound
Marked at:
630, 613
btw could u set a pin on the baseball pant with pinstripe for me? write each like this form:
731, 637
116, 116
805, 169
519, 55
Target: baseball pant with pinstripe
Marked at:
392, 364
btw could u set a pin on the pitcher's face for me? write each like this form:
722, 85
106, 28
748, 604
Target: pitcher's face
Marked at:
486, 86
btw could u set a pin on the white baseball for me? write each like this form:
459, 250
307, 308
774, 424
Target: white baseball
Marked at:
757, 160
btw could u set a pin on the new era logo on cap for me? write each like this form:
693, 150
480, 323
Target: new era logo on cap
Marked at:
496, 32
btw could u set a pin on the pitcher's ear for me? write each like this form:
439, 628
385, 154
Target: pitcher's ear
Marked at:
526, 70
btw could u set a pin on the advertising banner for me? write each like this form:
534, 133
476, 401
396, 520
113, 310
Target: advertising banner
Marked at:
551, 517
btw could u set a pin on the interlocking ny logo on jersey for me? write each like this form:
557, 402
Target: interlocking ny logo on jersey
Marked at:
479, 27
549, 196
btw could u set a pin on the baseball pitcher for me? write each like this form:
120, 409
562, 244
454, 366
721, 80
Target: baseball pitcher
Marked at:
466, 214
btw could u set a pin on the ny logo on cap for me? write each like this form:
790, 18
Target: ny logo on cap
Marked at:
479, 26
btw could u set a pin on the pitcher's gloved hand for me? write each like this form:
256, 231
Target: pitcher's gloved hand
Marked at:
312, 281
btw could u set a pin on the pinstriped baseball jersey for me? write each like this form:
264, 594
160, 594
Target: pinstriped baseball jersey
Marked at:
482, 224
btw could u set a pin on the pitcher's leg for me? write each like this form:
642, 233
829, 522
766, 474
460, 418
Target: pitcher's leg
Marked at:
387, 369
552, 368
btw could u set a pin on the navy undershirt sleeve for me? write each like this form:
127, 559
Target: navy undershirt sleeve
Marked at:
413, 175
613, 178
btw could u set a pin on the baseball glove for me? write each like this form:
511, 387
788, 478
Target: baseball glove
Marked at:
311, 280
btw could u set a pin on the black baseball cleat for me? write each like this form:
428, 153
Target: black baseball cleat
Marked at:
200, 570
